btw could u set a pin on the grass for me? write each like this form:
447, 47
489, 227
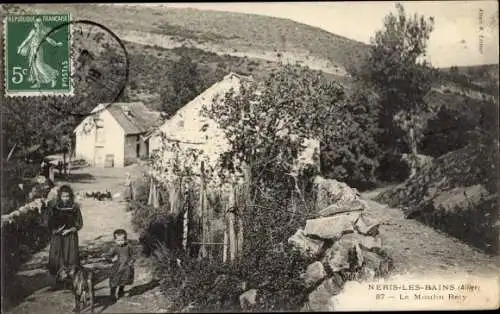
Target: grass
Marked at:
230, 30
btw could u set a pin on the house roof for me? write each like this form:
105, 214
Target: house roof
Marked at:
134, 117
190, 125
191, 112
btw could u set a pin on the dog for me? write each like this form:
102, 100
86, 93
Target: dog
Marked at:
82, 285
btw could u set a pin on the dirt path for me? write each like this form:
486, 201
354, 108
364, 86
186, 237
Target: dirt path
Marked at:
416, 249
100, 219
420, 249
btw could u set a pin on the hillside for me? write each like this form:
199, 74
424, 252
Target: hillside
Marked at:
222, 42
482, 78
258, 39
223, 33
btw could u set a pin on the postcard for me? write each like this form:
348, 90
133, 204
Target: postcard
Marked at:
250, 157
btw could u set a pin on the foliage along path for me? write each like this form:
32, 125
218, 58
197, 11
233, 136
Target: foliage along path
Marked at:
415, 248
32, 282
421, 250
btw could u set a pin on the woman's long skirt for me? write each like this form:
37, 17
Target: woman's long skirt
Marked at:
63, 252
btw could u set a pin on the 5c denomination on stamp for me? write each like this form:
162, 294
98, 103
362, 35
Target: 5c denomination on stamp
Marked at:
37, 64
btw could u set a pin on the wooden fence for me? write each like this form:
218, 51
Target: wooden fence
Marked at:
212, 223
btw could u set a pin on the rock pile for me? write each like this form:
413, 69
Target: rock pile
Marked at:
344, 243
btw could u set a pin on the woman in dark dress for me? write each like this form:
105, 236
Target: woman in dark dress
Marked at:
64, 222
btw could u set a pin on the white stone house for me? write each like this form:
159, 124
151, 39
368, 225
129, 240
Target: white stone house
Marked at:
192, 129
113, 134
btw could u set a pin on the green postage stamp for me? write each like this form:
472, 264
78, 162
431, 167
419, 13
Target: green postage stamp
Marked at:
37, 55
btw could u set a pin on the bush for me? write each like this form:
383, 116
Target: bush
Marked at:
392, 168
18, 244
141, 186
14, 173
354, 157
473, 223
154, 225
449, 130
267, 263
200, 284
474, 165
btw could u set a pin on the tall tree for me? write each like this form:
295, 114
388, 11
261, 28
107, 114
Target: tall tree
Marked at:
184, 84
396, 68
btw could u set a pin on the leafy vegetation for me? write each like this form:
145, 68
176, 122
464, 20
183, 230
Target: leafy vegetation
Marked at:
266, 263
267, 127
185, 85
354, 157
483, 78
395, 68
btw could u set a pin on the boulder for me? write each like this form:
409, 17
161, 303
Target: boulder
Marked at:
306, 308
331, 191
321, 298
314, 273
331, 227
380, 265
248, 298
458, 198
339, 256
357, 256
367, 274
342, 207
368, 243
367, 226
305, 245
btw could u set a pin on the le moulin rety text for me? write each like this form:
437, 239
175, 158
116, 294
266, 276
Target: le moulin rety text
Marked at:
31, 18
423, 287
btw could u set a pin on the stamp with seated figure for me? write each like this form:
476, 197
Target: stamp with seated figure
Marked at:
37, 64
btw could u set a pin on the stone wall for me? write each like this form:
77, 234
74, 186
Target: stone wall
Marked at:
345, 244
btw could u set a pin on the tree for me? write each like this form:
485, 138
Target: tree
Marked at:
398, 72
267, 123
454, 70
184, 84
353, 156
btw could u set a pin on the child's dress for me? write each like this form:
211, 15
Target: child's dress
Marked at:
122, 272
129, 190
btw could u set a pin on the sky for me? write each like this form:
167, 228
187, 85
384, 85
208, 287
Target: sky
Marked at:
454, 41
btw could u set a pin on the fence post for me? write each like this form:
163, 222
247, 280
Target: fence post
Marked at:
208, 227
232, 235
225, 246
202, 213
150, 196
172, 195
243, 198
185, 228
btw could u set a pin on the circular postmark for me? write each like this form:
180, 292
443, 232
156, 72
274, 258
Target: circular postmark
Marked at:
98, 70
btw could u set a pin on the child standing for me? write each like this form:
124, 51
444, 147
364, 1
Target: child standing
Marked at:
122, 272
129, 189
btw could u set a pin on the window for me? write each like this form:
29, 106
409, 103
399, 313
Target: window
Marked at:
100, 136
